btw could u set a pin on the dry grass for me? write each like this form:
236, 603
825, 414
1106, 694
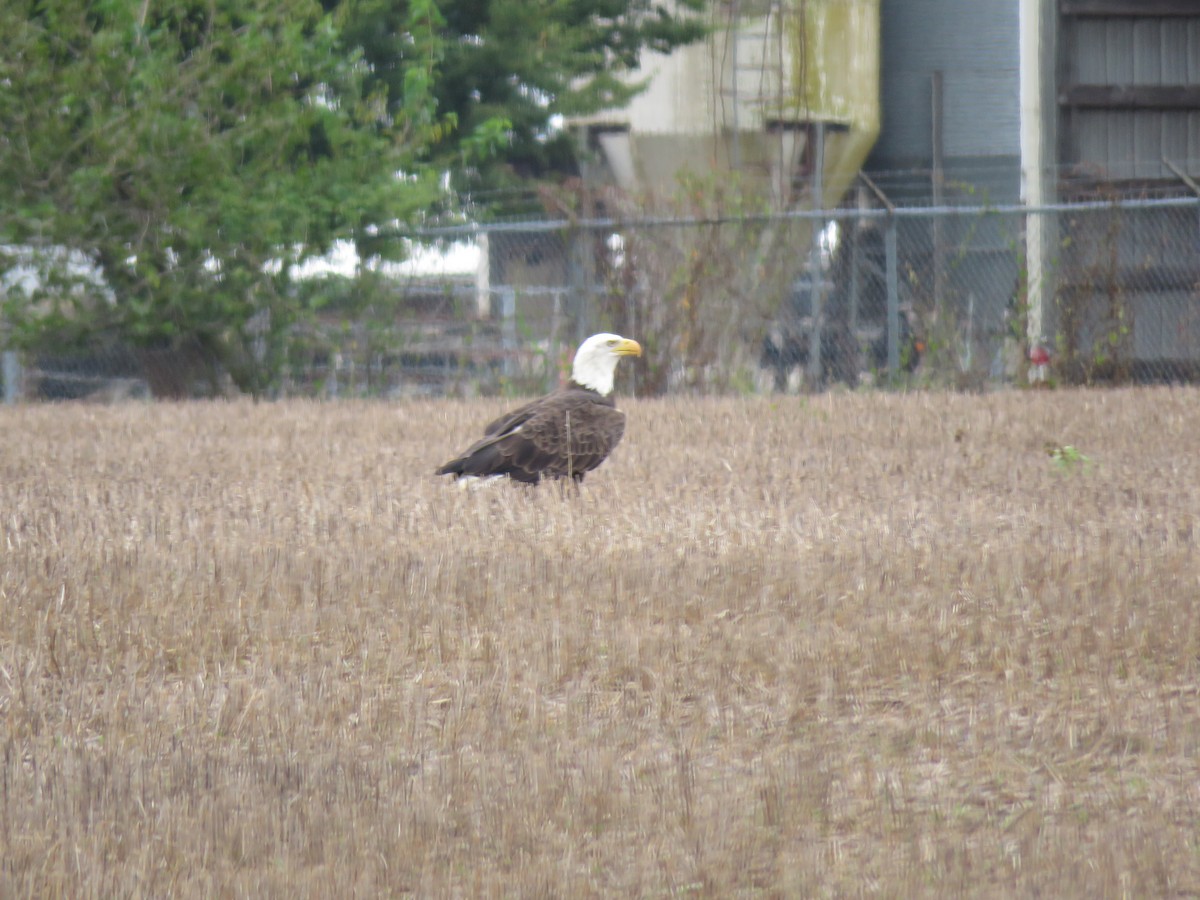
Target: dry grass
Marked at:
851, 645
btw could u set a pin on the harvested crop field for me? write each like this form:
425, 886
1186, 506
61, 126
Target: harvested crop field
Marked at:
895, 644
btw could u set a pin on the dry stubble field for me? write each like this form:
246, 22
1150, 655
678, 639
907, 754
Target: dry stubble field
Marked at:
855, 644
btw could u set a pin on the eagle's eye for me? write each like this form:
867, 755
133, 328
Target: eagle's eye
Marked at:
612, 343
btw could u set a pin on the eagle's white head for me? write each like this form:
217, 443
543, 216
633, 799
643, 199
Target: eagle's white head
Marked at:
596, 360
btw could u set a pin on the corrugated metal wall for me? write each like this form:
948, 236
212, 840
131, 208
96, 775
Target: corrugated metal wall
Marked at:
1111, 129
1128, 84
975, 47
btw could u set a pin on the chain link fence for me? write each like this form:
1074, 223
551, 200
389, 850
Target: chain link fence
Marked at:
962, 297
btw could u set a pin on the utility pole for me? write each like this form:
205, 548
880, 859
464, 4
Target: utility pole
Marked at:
1037, 78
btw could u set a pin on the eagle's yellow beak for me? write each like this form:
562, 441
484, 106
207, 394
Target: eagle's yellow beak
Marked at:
628, 347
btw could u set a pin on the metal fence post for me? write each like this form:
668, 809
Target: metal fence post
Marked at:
938, 229
580, 276
891, 274
893, 296
815, 267
331, 382
508, 329
12, 376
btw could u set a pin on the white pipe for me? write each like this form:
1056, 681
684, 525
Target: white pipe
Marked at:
1034, 162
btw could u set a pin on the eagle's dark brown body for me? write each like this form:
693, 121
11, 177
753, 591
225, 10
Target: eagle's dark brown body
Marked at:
565, 434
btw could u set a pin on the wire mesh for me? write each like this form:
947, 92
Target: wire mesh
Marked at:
958, 297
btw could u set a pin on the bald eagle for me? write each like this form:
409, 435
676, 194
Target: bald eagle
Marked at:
565, 434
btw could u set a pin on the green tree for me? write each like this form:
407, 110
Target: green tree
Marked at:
166, 164
193, 153
507, 68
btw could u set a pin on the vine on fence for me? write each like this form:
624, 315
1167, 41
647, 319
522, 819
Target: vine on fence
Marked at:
700, 298
1095, 334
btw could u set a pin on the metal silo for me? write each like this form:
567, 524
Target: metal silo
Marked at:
775, 79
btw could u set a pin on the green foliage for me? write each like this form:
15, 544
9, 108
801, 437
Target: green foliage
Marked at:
1066, 458
190, 154
165, 166
505, 68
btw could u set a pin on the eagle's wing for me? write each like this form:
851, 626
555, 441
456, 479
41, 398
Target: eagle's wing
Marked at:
566, 433
567, 437
515, 417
